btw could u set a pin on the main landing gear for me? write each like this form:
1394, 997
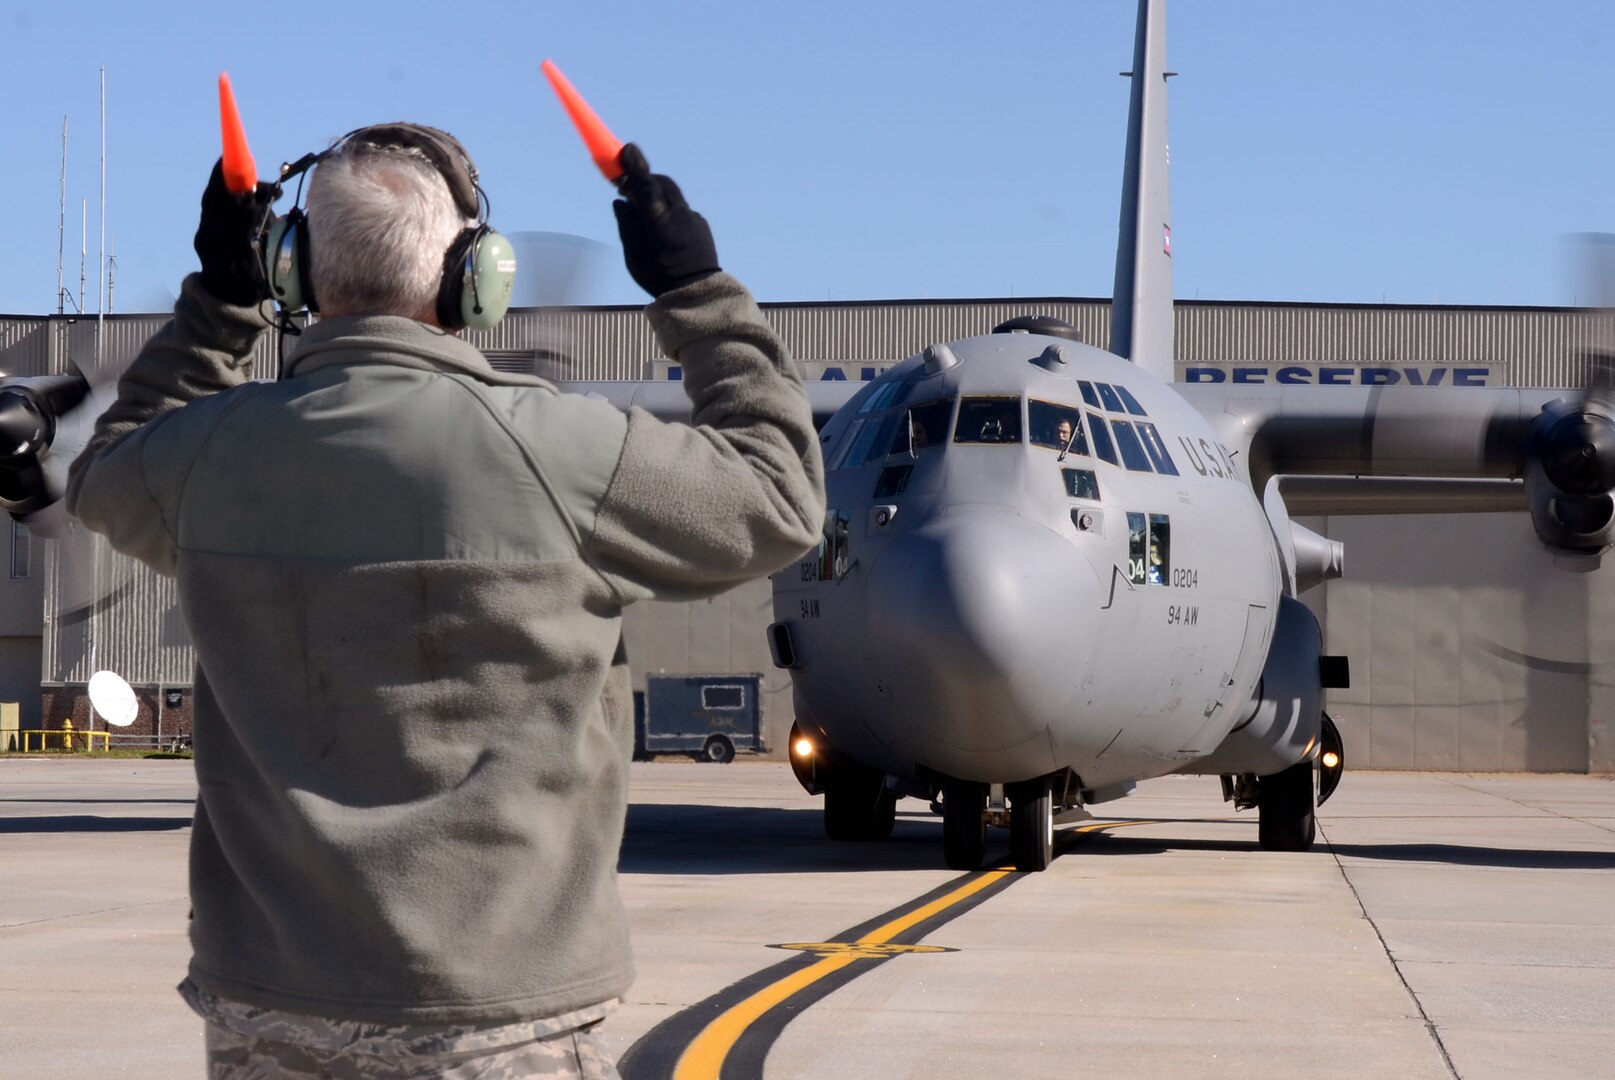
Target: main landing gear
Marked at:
1287, 802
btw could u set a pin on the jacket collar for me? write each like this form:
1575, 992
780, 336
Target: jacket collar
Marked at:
394, 340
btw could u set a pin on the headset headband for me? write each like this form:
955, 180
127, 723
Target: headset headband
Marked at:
442, 150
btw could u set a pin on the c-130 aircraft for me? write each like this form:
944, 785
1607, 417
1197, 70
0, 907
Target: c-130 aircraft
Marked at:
1048, 572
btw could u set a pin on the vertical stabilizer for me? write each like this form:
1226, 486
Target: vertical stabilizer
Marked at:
1141, 311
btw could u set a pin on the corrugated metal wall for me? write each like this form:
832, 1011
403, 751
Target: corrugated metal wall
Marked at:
25, 346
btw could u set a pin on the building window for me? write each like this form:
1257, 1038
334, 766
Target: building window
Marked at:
21, 550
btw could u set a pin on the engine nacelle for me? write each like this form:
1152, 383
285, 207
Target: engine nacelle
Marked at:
1283, 722
1568, 477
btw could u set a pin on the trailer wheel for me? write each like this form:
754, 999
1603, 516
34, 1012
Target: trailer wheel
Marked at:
719, 750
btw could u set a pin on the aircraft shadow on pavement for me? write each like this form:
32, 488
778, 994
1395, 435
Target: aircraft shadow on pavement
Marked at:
1414, 852
85, 823
677, 838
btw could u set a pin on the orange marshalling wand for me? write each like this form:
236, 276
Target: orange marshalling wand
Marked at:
604, 147
240, 172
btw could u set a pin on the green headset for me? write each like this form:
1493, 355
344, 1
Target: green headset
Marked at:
479, 267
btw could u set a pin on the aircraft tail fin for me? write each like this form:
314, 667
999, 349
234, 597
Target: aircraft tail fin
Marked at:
1141, 310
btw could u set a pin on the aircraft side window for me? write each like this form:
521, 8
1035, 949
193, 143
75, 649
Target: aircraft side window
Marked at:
1102, 446
893, 480
848, 437
1158, 454
1137, 543
927, 425
1081, 484
833, 545
1056, 426
1133, 455
1088, 394
1107, 394
1159, 571
1131, 402
988, 420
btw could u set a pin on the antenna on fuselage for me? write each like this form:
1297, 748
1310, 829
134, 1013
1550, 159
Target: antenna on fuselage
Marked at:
1141, 308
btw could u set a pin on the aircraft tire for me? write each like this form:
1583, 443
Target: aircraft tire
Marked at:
1287, 816
857, 806
1031, 824
964, 824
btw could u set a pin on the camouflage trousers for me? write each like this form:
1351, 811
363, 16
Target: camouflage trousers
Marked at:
248, 1043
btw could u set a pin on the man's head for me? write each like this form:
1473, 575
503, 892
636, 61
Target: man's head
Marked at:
1062, 432
380, 220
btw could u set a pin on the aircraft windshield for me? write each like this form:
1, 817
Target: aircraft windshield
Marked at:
1056, 427
988, 420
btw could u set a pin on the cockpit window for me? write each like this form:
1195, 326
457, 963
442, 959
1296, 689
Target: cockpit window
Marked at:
868, 438
1107, 394
927, 427
880, 398
1102, 446
1081, 484
839, 455
1152, 442
1132, 402
1088, 394
1133, 455
988, 420
1056, 426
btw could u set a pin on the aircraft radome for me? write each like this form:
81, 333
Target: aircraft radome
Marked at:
1049, 572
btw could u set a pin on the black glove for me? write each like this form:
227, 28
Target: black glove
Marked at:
664, 242
232, 268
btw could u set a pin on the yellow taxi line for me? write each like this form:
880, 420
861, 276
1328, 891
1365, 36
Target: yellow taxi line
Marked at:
703, 1058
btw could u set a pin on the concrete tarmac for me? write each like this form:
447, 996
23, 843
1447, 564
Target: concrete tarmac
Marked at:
1445, 925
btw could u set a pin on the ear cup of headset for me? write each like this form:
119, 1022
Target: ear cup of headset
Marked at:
286, 262
479, 271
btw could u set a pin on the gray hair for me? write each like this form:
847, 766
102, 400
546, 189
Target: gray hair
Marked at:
380, 222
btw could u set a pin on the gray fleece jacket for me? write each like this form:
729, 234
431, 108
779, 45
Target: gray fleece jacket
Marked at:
404, 574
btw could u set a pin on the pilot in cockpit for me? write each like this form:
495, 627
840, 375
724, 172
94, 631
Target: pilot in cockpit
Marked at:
992, 430
1063, 432
917, 438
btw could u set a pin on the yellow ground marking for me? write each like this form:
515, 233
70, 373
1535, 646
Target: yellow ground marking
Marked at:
703, 1058
862, 950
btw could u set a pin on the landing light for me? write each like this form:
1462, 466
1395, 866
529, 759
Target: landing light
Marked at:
1330, 759
803, 748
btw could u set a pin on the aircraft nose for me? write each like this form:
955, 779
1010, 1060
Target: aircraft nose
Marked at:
982, 626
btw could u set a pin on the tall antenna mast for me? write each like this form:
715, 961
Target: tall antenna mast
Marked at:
61, 222
112, 272
101, 255
84, 248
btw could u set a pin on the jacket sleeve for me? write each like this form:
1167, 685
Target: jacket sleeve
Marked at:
116, 487
694, 509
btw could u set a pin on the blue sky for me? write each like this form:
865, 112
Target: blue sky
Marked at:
1404, 152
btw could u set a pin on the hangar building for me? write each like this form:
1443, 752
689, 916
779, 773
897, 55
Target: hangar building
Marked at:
1469, 649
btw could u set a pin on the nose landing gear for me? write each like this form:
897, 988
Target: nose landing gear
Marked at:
1031, 823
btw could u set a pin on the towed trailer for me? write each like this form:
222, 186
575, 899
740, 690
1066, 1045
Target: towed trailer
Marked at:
709, 717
